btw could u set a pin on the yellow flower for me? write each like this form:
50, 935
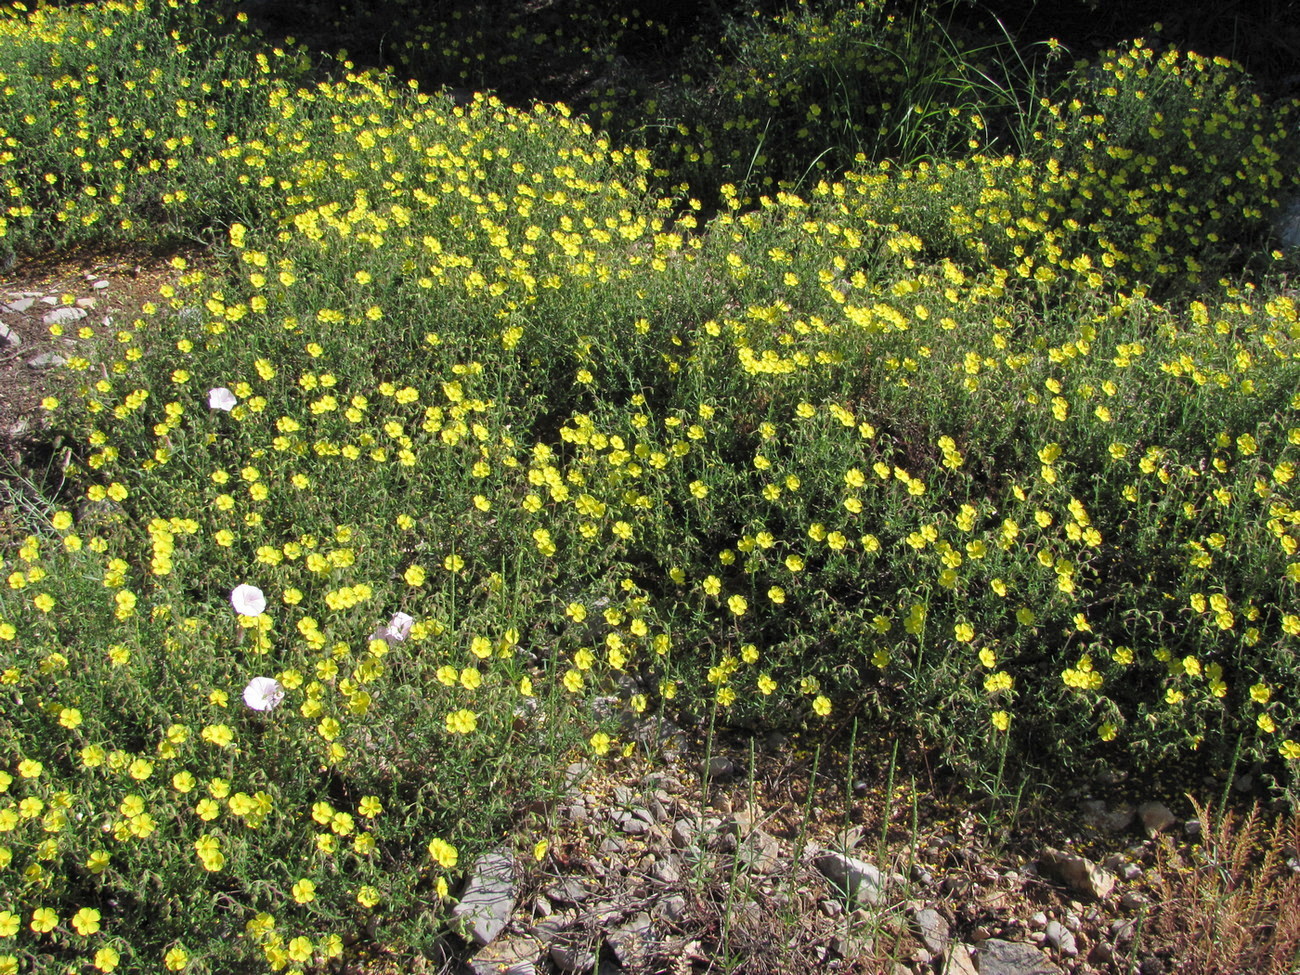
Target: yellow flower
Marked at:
367, 897
43, 920
1001, 720
996, 683
600, 743
462, 722
1290, 750
304, 891
822, 705
964, 632
1261, 693
414, 575
443, 853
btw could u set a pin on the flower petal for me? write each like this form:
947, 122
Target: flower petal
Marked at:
248, 600
263, 694
221, 399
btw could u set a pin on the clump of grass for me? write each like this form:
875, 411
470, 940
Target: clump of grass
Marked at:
1230, 903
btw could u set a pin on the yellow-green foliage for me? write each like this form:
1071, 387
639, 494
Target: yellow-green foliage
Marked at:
920, 446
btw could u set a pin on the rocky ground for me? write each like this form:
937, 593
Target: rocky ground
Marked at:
648, 872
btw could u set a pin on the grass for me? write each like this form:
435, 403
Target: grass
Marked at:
481, 429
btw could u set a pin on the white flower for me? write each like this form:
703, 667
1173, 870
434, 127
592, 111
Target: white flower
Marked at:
248, 600
221, 399
399, 628
263, 694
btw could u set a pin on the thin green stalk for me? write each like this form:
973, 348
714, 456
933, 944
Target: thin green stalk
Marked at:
848, 777
735, 862
807, 809
889, 804
705, 777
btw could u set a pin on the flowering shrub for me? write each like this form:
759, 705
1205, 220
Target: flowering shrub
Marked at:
467, 426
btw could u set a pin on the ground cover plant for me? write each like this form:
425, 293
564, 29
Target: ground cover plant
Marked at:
480, 429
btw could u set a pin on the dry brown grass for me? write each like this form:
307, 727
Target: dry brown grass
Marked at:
1231, 905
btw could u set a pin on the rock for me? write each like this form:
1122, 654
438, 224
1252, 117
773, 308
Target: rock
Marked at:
719, 769
667, 871
1156, 817
662, 735
958, 961
509, 956
1131, 872
573, 955
684, 833
632, 942
932, 928
1078, 873
760, 851
100, 285
574, 775
858, 880
998, 957
655, 781
1060, 938
847, 840
630, 823
489, 897
85, 303
672, 909
1096, 815
46, 360
1193, 829
61, 316
1121, 931
20, 305
9, 336
1133, 900
1101, 953
549, 928
746, 916
743, 820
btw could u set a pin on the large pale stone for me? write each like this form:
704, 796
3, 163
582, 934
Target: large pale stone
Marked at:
489, 898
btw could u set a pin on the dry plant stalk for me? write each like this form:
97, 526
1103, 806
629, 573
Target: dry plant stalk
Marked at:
1232, 904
